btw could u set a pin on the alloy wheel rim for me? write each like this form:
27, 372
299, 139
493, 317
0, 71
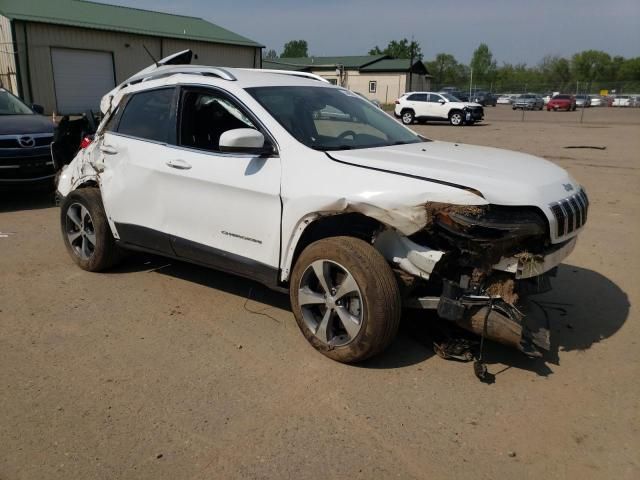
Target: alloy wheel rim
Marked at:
407, 118
331, 303
80, 231
456, 118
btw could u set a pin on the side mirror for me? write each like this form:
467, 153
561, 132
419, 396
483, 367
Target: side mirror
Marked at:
441, 101
244, 140
37, 108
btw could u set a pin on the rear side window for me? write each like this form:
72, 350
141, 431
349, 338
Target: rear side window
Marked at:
148, 115
418, 97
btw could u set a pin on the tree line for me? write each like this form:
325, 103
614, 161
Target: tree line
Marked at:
589, 70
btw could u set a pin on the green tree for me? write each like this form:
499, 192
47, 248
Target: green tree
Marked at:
630, 70
271, 54
446, 70
482, 64
295, 49
399, 49
555, 71
591, 65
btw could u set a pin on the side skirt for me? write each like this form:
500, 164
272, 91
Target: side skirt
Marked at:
133, 237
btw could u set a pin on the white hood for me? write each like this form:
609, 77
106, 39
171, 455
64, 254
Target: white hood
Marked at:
503, 177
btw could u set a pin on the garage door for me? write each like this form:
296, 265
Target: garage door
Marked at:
81, 78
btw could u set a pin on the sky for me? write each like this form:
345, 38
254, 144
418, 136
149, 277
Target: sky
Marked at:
517, 31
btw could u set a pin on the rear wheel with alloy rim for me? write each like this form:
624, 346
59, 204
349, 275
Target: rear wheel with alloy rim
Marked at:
407, 117
86, 232
345, 299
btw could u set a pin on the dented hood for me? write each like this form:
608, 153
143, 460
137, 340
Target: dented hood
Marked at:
503, 177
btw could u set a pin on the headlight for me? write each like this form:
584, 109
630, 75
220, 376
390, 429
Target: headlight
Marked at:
492, 222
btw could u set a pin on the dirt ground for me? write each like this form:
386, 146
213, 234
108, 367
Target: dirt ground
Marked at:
163, 370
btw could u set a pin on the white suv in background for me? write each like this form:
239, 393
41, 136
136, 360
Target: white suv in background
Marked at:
431, 106
310, 189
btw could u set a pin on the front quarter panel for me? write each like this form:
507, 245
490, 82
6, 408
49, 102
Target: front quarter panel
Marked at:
314, 185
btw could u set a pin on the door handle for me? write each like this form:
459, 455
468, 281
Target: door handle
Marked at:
178, 164
108, 149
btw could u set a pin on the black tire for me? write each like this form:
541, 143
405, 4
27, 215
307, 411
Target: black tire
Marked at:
105, 253
456, 118
380, 297
407, 116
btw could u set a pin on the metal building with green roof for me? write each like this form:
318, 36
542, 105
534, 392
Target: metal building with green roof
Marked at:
378, 77
65, 54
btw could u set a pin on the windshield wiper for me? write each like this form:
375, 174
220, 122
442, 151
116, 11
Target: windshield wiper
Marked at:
326, 149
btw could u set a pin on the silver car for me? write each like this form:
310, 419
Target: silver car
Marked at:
583, 101
528, 101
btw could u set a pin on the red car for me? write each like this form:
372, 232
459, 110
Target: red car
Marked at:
562, 102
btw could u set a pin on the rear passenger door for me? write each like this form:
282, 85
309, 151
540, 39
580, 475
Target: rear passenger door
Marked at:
133, 153
418, 102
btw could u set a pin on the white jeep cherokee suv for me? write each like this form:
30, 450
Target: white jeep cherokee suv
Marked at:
432, 106
354, 215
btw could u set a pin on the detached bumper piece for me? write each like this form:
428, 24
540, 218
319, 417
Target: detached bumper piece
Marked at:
504, 323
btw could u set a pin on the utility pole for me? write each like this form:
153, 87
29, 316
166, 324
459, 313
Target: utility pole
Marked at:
470, 83
411, 66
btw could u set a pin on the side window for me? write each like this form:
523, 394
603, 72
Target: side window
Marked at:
205, 115
148, 115
434, 98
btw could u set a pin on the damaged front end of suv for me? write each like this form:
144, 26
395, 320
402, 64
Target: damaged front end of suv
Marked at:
476, 266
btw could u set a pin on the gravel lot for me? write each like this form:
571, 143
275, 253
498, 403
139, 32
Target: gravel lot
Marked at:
163, 370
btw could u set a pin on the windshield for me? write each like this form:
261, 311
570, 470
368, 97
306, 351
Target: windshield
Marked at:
562, 97
11, 105
325, 118
450, 97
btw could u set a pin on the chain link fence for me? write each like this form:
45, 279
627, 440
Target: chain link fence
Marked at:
599, 87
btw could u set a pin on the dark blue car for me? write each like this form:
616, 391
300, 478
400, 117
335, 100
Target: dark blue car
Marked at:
25, 140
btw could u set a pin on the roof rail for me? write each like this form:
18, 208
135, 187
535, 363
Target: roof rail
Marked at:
169, 70
311, 76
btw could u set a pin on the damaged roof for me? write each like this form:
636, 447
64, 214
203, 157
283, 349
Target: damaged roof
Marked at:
86, 14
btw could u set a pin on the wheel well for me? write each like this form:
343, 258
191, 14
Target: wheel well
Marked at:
407, 110
88, 184
345, 224
454, 110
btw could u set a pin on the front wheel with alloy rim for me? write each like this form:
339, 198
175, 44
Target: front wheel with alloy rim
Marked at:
345, 299
407, 117
86, 232
456, 118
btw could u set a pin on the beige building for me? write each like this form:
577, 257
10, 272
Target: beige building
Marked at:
377, 77
65, 54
